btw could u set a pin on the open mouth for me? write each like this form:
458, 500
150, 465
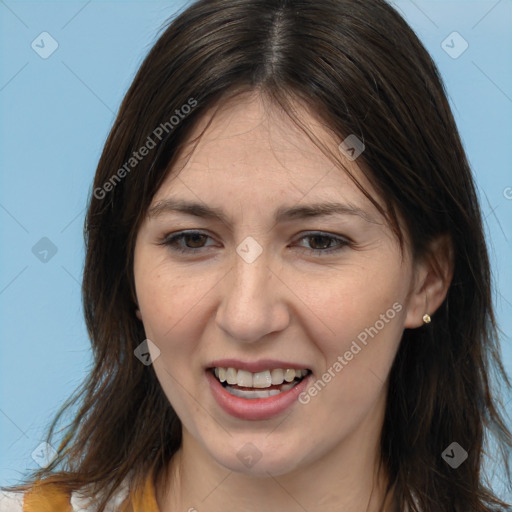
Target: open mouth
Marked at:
244, 384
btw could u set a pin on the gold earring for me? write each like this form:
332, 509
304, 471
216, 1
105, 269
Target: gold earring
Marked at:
426, 318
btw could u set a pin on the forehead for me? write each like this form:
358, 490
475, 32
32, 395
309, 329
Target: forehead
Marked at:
252, 152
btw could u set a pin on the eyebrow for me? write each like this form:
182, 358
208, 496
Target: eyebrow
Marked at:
283, 214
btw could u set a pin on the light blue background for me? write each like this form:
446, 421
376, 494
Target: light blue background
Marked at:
55, 116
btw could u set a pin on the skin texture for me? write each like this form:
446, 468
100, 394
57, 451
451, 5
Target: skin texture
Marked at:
289, 304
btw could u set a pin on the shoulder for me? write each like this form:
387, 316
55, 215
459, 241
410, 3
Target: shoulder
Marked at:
80, 502
11, 501
46, 498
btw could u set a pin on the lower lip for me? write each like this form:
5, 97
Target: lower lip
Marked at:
255, 408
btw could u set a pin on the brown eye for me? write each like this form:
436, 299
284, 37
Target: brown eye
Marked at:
196, 240
320, 242
324, 244
191, 241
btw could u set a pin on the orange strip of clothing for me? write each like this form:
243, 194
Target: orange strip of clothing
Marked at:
49, 498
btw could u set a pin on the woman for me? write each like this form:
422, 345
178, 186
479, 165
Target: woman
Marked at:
286, 282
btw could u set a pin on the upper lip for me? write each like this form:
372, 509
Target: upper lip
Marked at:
256, 366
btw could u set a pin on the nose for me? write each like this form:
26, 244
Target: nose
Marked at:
253, 301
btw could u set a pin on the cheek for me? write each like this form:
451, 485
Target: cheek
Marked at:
168, 305
166, 299
357, 323
353, 301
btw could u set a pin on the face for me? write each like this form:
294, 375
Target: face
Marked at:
258, 280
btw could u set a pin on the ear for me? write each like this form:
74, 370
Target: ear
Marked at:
432, 277
133, 294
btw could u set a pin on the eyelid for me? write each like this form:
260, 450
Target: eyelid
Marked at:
172, 237
342, 241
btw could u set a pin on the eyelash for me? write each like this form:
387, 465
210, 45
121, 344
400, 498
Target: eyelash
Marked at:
171, 239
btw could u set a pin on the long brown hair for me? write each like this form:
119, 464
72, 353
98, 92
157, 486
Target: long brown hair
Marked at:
359, 68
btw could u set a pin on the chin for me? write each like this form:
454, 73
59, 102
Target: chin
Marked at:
248, 459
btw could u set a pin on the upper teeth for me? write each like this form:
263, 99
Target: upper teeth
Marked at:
263, 379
